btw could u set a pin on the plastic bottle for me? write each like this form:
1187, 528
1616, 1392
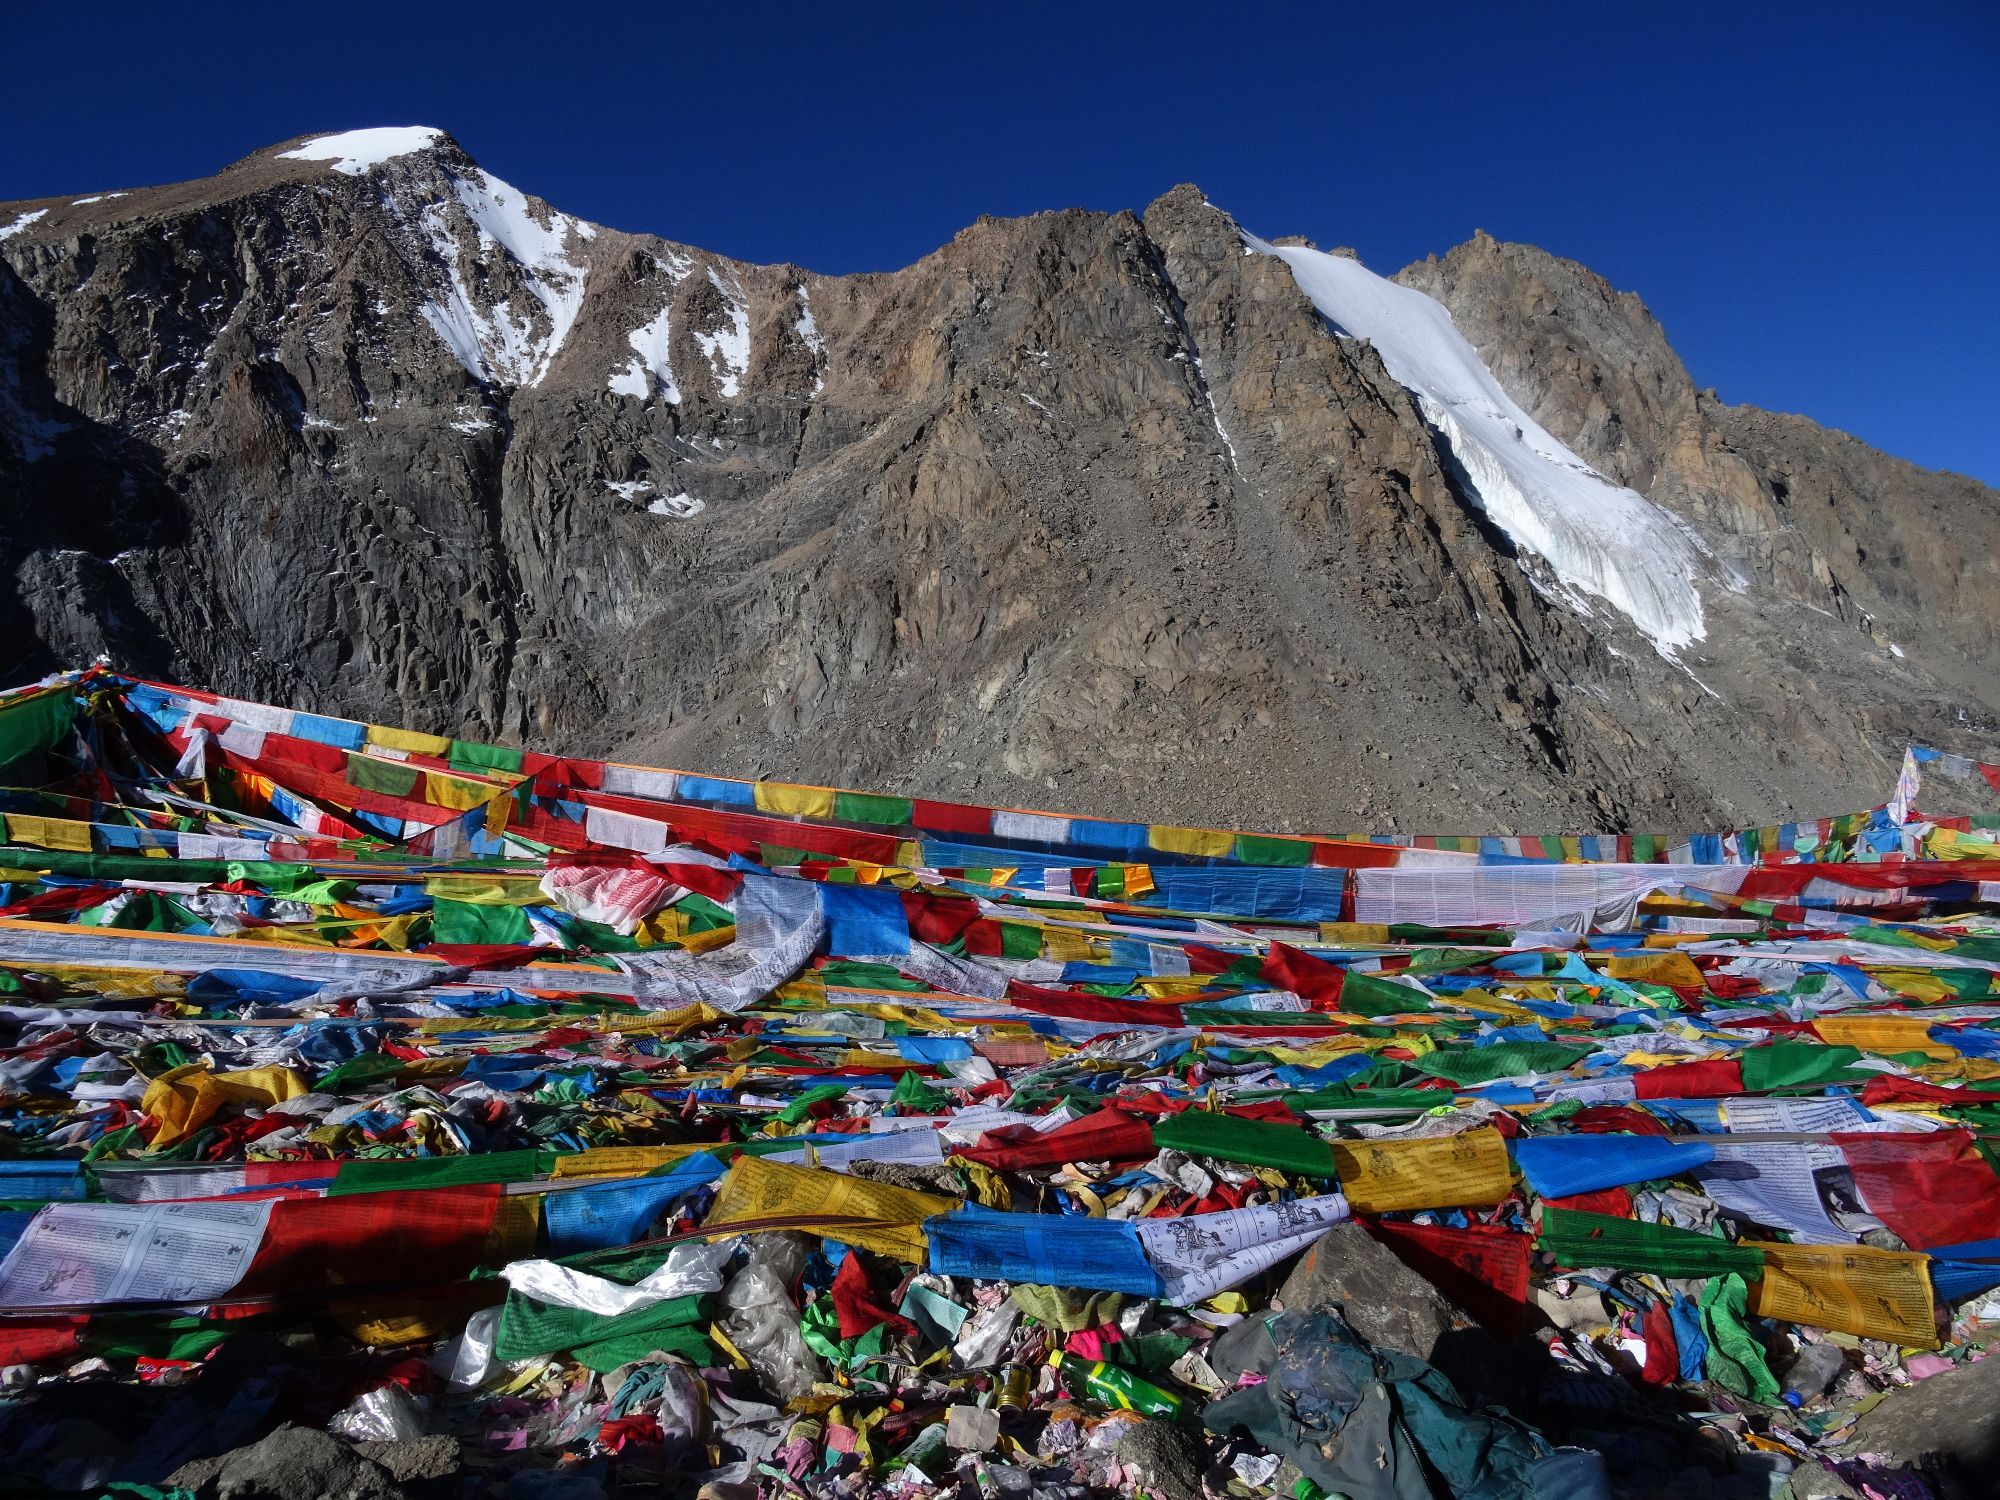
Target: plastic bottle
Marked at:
1812, 1371
1117, 1387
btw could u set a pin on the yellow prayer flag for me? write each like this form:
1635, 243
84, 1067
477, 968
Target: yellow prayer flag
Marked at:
1913, 984
1874, 1294
409, 740
487, 890
793, 801
1061, 943
1204, 841
1674, 968
1350, 934
873, 1215
1449, 1171
1882, 1034
182, 1100
264, 1086
621, 1161
458, 793
49, 833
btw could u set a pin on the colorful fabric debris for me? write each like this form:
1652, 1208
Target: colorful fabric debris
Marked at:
758, 1134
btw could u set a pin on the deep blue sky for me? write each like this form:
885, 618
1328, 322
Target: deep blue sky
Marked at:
1805, 194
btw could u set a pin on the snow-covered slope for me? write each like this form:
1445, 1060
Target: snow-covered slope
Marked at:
356, 152
502, 269
1597, 537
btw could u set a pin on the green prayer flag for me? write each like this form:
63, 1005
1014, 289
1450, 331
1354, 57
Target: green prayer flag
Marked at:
1257, 1143
1468, 1066
388, 778
483, 760
529, 1328
436, 1171
1020, 940
1735, 1358
1792, 1064
1365, 995
1257, 849
475, 925
800, 1107
1580, 1240
357, 1073
865, 807
36, 723
918, 1095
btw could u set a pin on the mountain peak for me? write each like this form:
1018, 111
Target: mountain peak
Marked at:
355, 153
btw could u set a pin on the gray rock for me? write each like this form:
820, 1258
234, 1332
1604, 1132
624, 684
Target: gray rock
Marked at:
920, 1178
1168, 1459
1950, 1422
1382, 1299
1815, 1481
432, 1457
293, 1463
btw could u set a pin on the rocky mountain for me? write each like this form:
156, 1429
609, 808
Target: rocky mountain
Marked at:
1126, 514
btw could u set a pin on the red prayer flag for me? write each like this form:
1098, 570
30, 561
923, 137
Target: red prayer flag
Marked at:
413, 1237
1313, 979
1663, 1351
27, 1343
1615, 1201
1108, 1135
1930, 1189
856, 1303
1075, 1005
1707, 1079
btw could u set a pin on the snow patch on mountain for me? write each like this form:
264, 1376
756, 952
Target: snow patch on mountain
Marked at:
515, 250
1599, 538
728, 346
650, 368
678, 506
807, 328
357, 152
23, 222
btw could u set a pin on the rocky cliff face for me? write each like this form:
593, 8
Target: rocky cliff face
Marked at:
1090, 511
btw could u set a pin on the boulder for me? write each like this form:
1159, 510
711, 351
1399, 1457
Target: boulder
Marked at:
293, 1463
1949, 1423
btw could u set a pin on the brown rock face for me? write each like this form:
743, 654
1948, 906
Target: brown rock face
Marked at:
1082, 510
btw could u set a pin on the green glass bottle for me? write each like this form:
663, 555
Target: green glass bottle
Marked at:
1116, 1387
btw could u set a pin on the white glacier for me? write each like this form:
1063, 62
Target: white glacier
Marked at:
355, 152
1598, 538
